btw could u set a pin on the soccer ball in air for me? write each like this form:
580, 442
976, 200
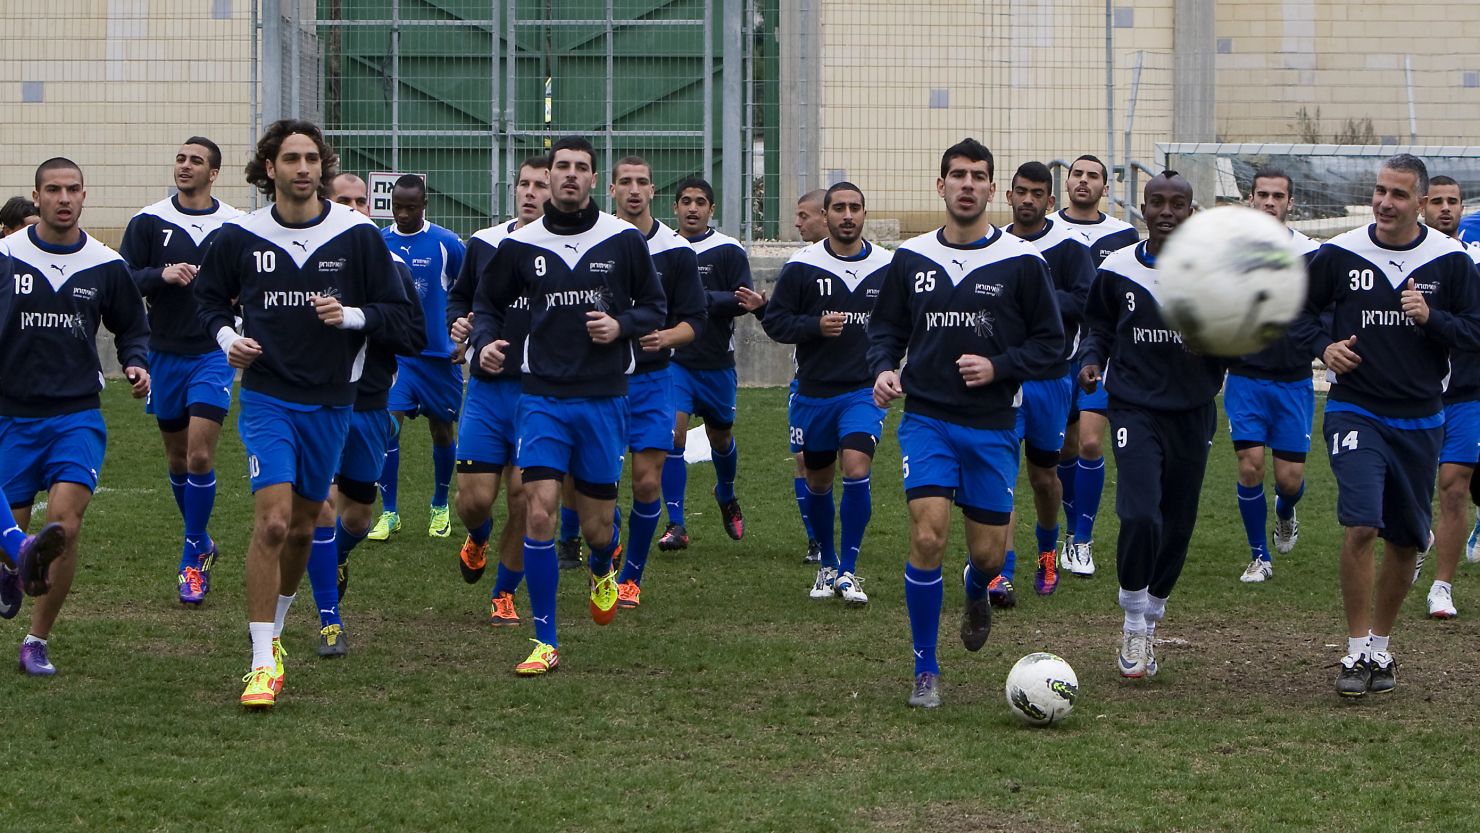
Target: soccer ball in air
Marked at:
1041, 689
1230, 280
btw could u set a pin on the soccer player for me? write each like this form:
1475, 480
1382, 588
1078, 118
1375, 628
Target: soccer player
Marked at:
16, 214
57, 284
592, 291
1082, 463
311, 281
1162, 416
486, 443
822, 303
811, 217
811, 226
1270, 401
1047, 397
650, 414
191, 387
974, 308
1441, 208
704, 370
1401, 298
431, 383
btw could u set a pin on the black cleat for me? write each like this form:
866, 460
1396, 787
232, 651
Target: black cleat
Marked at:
976, 624
814, 552
568, 554
1355, 677
1001, 593
1383, 679
333, 642
734, 522
675, 537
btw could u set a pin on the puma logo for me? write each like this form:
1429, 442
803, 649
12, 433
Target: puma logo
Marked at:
302, 244
573, 247
61, 270
1397, 265
406, 249
852, 273
961, 264
198, 227
1086, 235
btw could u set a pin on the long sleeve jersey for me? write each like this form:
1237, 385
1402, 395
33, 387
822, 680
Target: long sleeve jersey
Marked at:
723, 268
1072, 269
940, 301
515, 326
1361, 282
1285, 360
1103, 236
403, 334
435, 255
52, 299
1153, 368
678, 272
272, 270
816, 282
1464, 365
569, 264
162, 235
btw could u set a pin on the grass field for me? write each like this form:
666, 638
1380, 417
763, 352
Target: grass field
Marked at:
729, 701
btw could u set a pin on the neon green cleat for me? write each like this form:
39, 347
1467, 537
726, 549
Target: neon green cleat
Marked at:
262, 689
441, 525
388, 524
278, 652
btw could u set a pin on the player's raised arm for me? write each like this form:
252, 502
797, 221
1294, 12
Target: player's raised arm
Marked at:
690, 307
1073, 276
125, 317
786, 318
1455, 320
889, 327
460, 295
1044, 345
1101, 308
216, 286
499, 285
134, 249
386, 301
649, 310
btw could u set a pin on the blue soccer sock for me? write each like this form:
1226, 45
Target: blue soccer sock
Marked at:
507, 581
1067, 470
1089, 485
444, 457
675, 483
1048, 539
542, 575
800, 484
481, 533
200, 499
820, 510
177, 488
976, 581
1255, 512
642, 525
570, 524
923, 592
600, 561
1009, 563
390, 473
853, 515
323, 575
347, 540
1284, 507
12, 537
726, 464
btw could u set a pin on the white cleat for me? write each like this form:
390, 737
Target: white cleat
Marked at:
1257, 572
1151, 666
1286, 533
1132, 662
822, 588
1066, 552
1082, 561
1441, 603
1472, 549
850, 588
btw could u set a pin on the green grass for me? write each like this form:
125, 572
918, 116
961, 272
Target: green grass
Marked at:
729, 701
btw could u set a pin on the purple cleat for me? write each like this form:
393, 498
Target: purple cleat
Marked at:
10, 592
195, 582
37, 553
34, 660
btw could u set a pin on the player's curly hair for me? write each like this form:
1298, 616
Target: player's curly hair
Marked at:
272, 142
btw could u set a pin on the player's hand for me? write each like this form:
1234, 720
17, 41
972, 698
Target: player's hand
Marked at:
462, 328
139, 378
179, 274
602, 328
887, 388
244, 351
491, 359
749, 300
1414, 304
1089, 378
1342, 357
330, 311
832, 325
976, 370
653, 342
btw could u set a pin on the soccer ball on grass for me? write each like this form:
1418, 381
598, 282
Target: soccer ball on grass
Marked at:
1041, 689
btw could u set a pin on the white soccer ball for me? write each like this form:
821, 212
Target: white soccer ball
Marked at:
1041, 689
1230, 280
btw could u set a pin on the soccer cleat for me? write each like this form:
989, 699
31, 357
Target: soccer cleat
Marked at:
192, 586
1258, 571
628, 594
501, 612
1066, 552
926, 694
1151, 666
35, 661
1046, 577
10, 592
1472, 548
1001, 593
976, 623
822, 587
472, 560
262, 689
1354, 677
1082, 562
814, 552
1441, 603
543, 659
333, 642
850, 588
388, 524
441, 523
604, 598
675, 537
278, 655
36, 556
568, 553
1423, 555
1132, 661
734, 522
1286, 533
1382, 678
342, 579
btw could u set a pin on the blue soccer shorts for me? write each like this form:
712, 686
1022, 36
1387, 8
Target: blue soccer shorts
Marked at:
427, 386
979, 465
1099, 401
178, 381
584, 438
488, 432
709, 394
38, 453
369, 435
1384, 475
1267, 412
819, 423
1461, 433
1044, 414
650, 410
291, 443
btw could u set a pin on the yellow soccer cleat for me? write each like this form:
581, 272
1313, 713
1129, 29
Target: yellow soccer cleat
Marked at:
278, 652
441, 525
543, 659
262, 689
604, 598
387, 525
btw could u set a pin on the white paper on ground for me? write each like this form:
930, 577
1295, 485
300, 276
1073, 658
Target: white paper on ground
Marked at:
696, 448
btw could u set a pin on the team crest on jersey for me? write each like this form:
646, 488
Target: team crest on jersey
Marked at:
84, 292
602, 267
332, 265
